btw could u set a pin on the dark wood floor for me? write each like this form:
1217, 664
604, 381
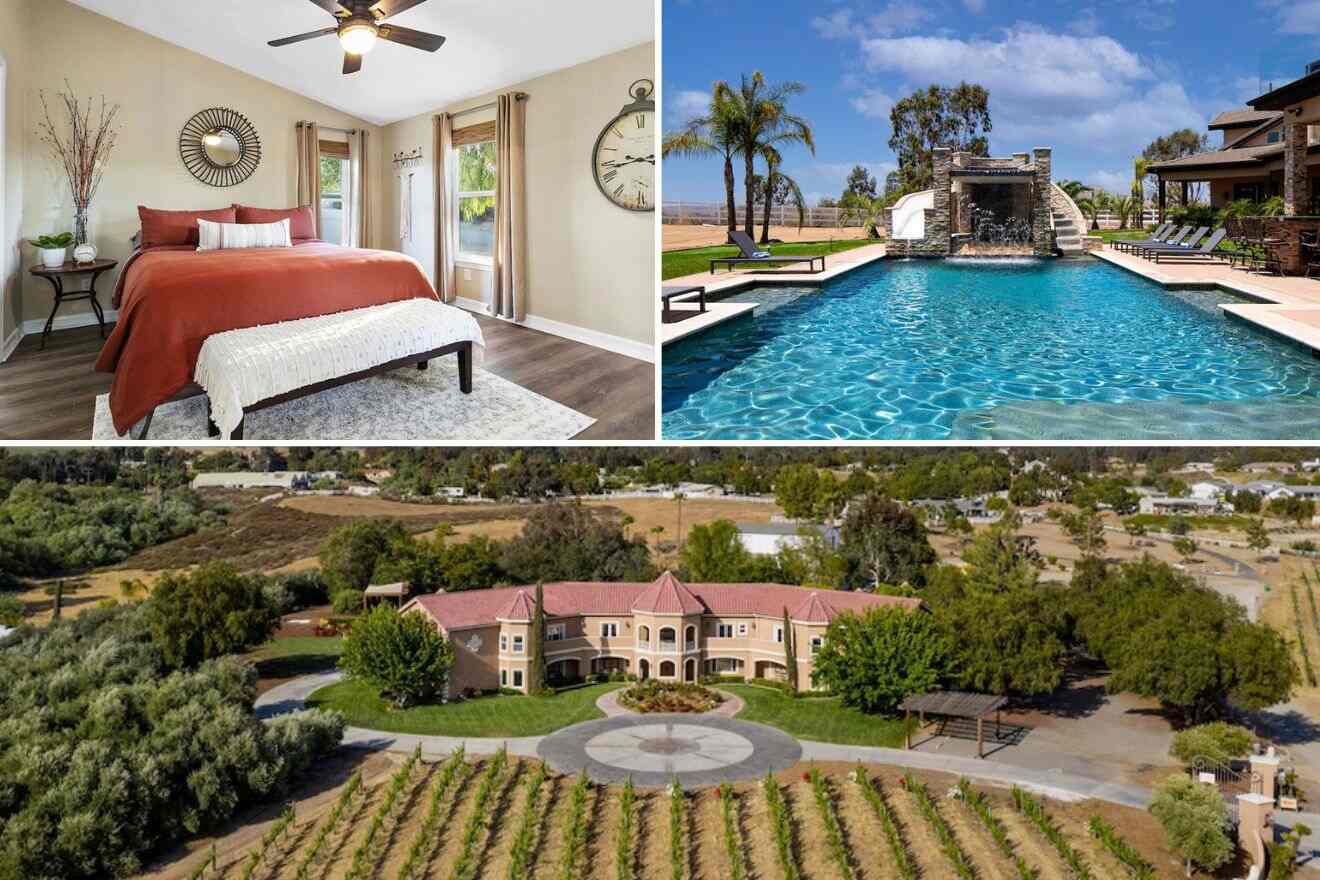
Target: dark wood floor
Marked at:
50, 395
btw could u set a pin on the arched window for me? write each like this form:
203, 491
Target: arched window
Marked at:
668, 639
643, 635
689, 670
666, 668
690, 639
643, 669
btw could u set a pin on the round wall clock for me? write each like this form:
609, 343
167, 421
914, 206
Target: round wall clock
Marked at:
623, 160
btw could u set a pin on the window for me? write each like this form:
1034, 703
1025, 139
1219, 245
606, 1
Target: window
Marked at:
554, 632
609, 630
1274, 137
335, 191
667, 669
720, 665
517, 644
817, 642
504, 644
517, 678
504, 678
724, 631
742, 629
474, 197
779, 635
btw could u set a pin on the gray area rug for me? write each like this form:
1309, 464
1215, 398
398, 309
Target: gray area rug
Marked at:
406, 405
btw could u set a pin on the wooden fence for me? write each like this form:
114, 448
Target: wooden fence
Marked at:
716, 214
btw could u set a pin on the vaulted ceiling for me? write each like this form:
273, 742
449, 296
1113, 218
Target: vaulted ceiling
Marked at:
491, 44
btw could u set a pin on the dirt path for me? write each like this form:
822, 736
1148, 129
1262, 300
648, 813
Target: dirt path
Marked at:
653, 837
601, 863
862, 831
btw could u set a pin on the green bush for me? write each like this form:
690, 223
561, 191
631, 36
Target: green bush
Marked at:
11, 610
404, 656
874, 660
1218, 741
209, 612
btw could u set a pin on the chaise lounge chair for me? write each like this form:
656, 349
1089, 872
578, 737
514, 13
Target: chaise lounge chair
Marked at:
751, 255
1186, 244
1171, 235
1206, 250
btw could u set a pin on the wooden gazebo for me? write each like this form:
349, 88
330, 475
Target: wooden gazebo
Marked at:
953, 704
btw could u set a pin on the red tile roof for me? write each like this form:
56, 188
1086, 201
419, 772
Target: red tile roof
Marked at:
573, 598
668, 595
519, 608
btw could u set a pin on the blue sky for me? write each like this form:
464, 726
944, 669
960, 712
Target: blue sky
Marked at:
1096, 80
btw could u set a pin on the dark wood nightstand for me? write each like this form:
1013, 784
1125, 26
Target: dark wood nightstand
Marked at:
69, 270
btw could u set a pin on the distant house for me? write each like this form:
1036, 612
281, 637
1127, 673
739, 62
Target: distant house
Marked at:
1164, 505
1198, 467
1212, 489
1263, 488
252, 480
1034, 465
1311, 464
767, 539
1265, 467
974, 509
451, 491
1308, 493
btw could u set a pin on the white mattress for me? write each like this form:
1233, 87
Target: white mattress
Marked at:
238, 368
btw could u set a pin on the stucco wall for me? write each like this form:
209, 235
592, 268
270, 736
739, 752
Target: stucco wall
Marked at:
590, 264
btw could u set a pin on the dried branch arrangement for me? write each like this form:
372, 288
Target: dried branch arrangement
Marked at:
82, 143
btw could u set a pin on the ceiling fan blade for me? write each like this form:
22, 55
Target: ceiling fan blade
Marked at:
352, 63
409, 37
334, 7
389, 8
310, 35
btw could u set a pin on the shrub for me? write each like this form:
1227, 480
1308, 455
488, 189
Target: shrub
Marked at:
664, 696
11, 610
403, 655
1194, 818
306, 588
348, 601
209, 612
1218, 741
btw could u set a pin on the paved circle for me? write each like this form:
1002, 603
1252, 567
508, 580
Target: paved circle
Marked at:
654, 749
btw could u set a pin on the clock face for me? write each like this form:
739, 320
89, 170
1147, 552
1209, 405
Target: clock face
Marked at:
624, 161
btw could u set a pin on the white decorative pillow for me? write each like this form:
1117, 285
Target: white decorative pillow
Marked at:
224, 236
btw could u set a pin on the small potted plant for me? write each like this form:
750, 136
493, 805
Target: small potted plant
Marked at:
54, 249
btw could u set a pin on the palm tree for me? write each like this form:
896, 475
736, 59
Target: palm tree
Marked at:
710, 135
760, 120
867, 213
775, 181
1072, 187
1125, 207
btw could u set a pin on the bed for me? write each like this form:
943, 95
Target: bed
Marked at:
172, 299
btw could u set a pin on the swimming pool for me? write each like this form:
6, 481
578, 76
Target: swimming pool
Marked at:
979, 350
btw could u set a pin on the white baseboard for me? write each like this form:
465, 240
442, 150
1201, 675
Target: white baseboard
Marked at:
68, 322
607, 341
8, 346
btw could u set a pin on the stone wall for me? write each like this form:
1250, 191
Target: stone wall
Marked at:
1288, 230
1042, 227
1296, 180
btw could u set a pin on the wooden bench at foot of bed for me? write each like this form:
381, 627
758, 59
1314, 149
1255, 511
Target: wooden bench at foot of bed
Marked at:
421, 359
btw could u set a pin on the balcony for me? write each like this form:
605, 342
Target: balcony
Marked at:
690, 646
668, 646
643, 645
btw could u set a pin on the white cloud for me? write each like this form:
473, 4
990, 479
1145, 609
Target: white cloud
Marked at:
899, 16
1298, 17
873, 103
1116, 182
836, 26
976, 7
689, 103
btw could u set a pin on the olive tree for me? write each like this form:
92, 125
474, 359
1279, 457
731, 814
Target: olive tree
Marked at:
1195, 821
403, 655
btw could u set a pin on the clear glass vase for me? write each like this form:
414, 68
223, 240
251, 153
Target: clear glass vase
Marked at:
80, 226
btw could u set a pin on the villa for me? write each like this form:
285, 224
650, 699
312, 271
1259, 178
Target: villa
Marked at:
1161, 505
767, 539
666, 629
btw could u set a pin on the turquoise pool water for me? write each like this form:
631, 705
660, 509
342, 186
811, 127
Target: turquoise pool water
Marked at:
962, 350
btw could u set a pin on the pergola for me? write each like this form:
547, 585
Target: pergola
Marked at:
953, 704
386, 592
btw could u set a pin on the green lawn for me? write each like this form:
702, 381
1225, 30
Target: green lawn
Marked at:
292, 656
674, 264
1116, 235
481, 716
1160, 521
823, 719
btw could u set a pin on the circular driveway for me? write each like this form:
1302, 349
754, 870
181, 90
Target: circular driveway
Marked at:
654, 749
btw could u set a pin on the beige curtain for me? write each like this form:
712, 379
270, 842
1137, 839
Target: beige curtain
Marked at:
359, 205
508, 289
446, 241
309, 170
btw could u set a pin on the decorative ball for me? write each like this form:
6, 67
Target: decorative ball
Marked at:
84, 253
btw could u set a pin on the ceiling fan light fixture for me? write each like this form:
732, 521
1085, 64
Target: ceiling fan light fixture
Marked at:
358, 37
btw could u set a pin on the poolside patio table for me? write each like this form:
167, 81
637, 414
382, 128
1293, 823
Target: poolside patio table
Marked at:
670, 291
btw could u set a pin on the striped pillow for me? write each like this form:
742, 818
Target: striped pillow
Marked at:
224, 236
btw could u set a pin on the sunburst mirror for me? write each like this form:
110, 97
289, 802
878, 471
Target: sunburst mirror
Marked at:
220, 147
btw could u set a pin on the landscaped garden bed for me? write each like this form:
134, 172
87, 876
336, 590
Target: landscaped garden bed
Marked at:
663, 696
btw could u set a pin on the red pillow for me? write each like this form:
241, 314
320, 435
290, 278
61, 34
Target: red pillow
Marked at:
302, 223
177, 227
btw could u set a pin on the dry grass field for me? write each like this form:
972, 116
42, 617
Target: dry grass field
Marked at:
675, 236
480, 818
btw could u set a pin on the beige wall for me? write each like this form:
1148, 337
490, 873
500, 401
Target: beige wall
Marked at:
14, 36
590, 264
160, 86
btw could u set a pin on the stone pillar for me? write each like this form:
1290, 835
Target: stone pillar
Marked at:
1023, 159
1296, 181
937, 221
1042, 232
1267, 768
1164, 198
1254, 812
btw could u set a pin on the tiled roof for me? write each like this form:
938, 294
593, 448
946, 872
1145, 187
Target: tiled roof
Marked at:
668, 595
1240, 156
572, 598
1245, 116
518, 608
814, 610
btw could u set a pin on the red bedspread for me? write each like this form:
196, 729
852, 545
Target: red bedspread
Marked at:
171, 298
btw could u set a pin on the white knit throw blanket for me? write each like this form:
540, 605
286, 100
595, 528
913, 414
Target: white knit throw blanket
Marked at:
238, 368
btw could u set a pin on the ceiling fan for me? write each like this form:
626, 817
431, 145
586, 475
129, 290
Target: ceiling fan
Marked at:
361, 22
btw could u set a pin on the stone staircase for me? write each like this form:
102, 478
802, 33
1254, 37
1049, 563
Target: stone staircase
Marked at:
1067, 237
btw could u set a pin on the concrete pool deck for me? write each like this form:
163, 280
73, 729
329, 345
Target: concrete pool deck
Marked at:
1286, 306
739, 279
